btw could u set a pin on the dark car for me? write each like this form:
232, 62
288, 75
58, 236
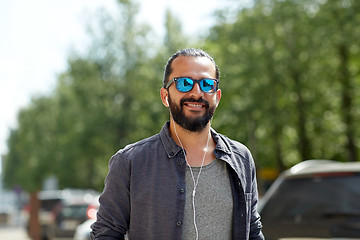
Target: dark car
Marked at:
314, 199
62, 210
83, 230
69, 213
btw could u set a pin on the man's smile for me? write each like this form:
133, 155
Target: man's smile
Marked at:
194, 106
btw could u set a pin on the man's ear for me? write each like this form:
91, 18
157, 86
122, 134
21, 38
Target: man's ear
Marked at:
164, 97
218, 97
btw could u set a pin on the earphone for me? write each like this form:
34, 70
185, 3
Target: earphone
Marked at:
192, 175
167, 102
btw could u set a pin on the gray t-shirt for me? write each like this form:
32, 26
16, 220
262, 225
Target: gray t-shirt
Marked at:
213, 203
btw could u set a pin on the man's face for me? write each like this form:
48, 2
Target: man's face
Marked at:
192, 110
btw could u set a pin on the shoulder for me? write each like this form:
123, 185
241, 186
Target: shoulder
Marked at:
140, 147
126, 161
233, 146
236, 154
135, 151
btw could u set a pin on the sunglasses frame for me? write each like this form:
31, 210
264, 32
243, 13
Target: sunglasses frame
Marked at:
195, 82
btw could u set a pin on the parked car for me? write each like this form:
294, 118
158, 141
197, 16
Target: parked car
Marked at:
83, 230
314, 199
69, 213
48, 200
62, 210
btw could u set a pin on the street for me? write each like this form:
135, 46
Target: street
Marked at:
13, 233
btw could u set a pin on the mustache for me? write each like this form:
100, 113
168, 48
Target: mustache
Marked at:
199, 100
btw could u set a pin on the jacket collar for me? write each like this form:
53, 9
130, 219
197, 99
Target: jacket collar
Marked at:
172, 149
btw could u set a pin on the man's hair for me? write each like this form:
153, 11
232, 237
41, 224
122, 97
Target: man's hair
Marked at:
190, 52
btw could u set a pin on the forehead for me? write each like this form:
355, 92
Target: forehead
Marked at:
194, 67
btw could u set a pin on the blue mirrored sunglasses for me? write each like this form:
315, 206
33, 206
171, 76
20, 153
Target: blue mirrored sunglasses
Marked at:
185, 84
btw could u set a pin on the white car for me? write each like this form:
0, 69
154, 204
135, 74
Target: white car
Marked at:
82, 231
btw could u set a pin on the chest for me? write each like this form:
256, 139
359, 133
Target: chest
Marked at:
212, 206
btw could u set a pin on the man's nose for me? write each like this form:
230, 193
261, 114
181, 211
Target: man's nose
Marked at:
196, 91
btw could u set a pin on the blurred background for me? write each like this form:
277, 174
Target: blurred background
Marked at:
79, 80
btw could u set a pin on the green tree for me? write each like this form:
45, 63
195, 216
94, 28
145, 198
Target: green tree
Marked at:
174, 39
106, 99
30, 157
340, 34
84, 124
278, 60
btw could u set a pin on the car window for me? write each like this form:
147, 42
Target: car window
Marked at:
312, 197
49, 204
74, 211
318, 206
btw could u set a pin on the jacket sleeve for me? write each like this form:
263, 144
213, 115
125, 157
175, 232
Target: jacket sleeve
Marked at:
255, 224
114, 211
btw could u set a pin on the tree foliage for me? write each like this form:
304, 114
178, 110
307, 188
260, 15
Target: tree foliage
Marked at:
287, 87
289, 77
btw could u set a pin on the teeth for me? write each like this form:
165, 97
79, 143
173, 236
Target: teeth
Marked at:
194, 105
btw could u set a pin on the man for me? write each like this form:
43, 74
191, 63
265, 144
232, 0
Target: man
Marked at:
187, 182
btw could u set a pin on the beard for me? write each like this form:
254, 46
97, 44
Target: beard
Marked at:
193, 124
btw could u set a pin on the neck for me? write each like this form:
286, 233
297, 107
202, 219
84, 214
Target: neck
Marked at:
196, 144
187, 137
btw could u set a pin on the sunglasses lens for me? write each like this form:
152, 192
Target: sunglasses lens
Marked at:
184, 84
208, 85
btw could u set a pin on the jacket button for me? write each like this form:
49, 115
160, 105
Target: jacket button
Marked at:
181, 163
178, 224
182, 191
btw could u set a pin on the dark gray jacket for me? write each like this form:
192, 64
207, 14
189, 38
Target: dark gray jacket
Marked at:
144, 192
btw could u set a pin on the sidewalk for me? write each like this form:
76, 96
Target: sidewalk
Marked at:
13, 233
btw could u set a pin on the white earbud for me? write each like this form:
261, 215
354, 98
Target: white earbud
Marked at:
167, 102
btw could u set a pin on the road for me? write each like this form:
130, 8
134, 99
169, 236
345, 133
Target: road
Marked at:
13, 233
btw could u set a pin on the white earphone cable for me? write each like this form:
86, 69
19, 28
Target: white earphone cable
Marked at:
192, 175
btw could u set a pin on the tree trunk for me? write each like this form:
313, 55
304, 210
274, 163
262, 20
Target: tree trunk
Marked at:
304, 147
347, 102
304, 143
34, 224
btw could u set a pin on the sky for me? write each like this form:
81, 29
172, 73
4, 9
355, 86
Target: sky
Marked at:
37, 36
